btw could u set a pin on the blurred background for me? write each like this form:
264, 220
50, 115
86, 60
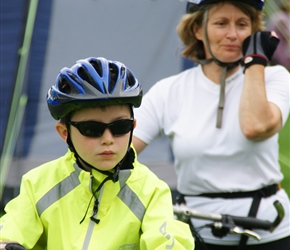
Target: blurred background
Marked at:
38, 38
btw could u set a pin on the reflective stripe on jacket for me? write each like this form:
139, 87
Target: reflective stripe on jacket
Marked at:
133, 213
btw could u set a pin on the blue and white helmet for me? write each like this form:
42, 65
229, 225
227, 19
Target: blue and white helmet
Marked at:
93, 81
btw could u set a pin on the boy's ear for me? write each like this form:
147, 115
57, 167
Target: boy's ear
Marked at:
135, 123
61, 130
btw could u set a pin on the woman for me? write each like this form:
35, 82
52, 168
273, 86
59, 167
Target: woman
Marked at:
223, 118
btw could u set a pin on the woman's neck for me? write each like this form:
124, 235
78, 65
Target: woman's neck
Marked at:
213, 71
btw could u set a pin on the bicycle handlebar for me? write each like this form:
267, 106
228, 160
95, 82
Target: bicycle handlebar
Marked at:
184, 213
250, 222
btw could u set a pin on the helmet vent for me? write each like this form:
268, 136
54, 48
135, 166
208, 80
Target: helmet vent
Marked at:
85, 76
113, 76
130, 79
98, 67
88, 78
64, 86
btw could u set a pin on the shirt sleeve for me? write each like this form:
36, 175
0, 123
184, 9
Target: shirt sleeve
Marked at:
149, 115
277, 87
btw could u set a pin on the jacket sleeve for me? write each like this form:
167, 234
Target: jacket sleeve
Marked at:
21, 222
160, 229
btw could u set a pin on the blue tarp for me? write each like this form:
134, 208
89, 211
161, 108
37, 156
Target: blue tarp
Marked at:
13, 23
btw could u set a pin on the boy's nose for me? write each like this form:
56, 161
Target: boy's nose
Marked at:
107, 137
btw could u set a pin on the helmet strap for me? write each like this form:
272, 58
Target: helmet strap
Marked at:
226, 67
114, 176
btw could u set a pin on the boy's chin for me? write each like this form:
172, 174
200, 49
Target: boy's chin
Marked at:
105, 168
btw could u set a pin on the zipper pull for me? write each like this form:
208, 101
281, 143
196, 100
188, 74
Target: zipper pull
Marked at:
95, 211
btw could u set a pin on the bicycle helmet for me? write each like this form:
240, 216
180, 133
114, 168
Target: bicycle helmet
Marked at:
93, 81
194, 5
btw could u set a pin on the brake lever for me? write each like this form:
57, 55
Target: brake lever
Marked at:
233, 229
247, 232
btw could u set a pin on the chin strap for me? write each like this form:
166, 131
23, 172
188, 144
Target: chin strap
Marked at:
126, 162
96, 205
222, 98
226, 67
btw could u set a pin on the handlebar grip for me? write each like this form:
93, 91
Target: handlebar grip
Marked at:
250, 222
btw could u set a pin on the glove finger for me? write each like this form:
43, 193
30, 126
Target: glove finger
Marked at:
270, 42
246, 44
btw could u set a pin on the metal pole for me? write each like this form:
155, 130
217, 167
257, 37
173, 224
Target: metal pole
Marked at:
19, 99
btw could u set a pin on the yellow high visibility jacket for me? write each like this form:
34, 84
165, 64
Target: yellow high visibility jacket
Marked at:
133, 213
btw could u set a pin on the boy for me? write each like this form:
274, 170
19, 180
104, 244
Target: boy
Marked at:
97, 196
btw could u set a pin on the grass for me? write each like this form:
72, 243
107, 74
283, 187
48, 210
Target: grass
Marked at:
284, 155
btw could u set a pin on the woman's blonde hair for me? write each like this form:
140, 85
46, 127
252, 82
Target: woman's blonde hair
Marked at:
194, 48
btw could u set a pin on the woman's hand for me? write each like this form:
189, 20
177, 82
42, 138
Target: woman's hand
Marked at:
259, 48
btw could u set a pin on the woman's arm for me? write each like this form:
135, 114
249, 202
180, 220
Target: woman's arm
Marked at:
259, 119
138, 144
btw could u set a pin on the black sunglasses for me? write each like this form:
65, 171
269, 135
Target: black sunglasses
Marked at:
96, 129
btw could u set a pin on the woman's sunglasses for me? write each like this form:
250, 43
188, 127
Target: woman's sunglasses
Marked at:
96, 129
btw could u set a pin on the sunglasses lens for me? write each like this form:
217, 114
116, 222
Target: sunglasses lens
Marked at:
121, 127
96, 129
91, 129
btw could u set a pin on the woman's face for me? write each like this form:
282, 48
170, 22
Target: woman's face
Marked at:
227, 28
103, 152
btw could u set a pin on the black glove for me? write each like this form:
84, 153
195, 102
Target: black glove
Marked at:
259, 48
14, 246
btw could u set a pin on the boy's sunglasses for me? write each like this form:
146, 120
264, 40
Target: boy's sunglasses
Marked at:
96, 129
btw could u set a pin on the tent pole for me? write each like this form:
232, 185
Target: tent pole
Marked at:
19, 99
